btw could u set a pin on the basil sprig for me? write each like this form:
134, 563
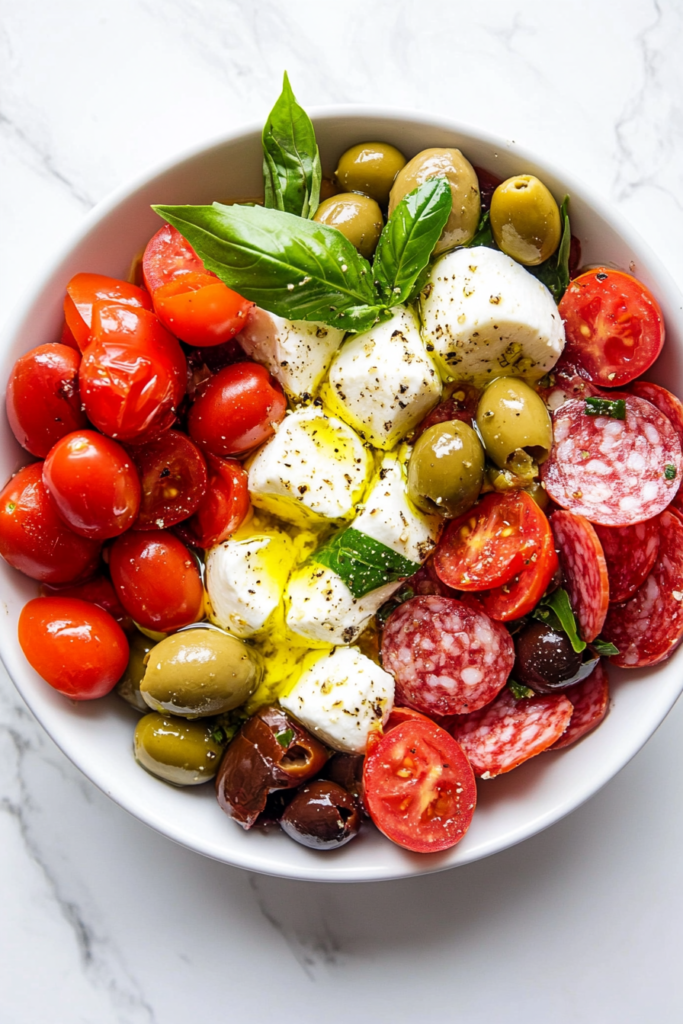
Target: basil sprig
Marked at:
364, 564
556, 611
291, 161
554, 272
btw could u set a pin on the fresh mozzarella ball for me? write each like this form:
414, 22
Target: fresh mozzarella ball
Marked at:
313, 471
340, 696
383, 382
485, 316
296, 352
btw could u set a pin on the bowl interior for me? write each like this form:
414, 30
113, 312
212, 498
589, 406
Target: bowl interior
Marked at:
97, 736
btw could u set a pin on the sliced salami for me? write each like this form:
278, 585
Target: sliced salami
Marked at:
630, 553
663, 400
508, 732
461, 404
649, 627
614, 472
585, 571
447, 657
567, 384
590, 700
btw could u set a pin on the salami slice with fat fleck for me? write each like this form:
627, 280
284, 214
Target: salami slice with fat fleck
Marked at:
663, 400
630, 553
648, 627
508, 732
590, 700
585, 570
447, 657
614, 472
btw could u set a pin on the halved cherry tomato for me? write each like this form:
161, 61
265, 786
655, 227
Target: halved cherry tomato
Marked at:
156, 580
173, 477
74, 645
168, 256
84, 290
236, 409
400, 715
99, 590
613, 324
491, 543
93, 483
133, 374
200, 310
223, 508
419, 788
34, 539
43, 400
520, 595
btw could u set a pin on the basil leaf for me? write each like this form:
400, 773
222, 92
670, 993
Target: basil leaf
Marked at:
557, 612
483, 235
364, 564
604, 647
291, 160
519, 690
408, 239
292, 267
616, 408
285, 738
554, 272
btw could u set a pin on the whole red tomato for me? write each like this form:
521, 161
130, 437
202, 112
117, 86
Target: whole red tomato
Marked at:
98, 590
43, 401
169, 256
34, 539
224, 506
201, 310
173, 477
84, 290
237, 409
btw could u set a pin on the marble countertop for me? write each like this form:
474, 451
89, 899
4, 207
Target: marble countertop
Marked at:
105, 922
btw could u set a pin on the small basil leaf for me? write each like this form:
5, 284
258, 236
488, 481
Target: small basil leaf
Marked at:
561, 615
364, 564
519, 690
604, 647
554, 272
219, 735
408, 239
483, 235
285, 738
292, 267
291, 160
615, 408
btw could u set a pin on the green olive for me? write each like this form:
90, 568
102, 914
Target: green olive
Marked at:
128, 687
199, 672
357, 217
184, 753
537, 491
370, 168
445, 163
525, 220
515, 426
446, 469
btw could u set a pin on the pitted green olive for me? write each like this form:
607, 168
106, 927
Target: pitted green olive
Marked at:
128, 686
199, 672
525, 220
370, 168
446, 469
184, 753
359, 219
515, 426
444, 163
537, 491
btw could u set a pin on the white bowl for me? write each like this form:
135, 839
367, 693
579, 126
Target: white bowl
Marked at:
97, 736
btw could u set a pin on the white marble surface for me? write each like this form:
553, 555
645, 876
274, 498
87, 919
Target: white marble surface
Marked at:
104, 922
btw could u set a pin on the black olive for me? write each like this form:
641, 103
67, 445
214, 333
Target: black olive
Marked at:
322, 815
546, 660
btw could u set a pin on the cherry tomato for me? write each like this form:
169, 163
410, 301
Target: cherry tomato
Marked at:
34, 539
66, 337
43, 400
133, 374
74, 645
419, 788
200, 310
491, 543
400, 715
236, 409
84, 290
173, 476
156, 580
613, 324
520, 595
99, 590
94, 484
223, 508
168, 256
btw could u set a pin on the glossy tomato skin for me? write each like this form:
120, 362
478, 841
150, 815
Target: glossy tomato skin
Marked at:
613, 325
156, 580
419, 787
133, 375
98, 590
43, 400
34, 539
522, 593
93, 483
173, 477
200, 310
223, 508
236, 410
84, 290
66, 337
76, 646
168, 256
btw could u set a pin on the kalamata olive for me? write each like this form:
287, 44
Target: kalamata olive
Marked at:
514, 425
359, 219
347, 771
128, 686
181, 752
446, 469
451, 164
322, 815
525, 219
370, 168
271, 751
546, 660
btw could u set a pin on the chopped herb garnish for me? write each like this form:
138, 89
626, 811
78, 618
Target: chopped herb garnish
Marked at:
219, 735
285, 738
616, 408
604, 648
519, 690
670, 471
